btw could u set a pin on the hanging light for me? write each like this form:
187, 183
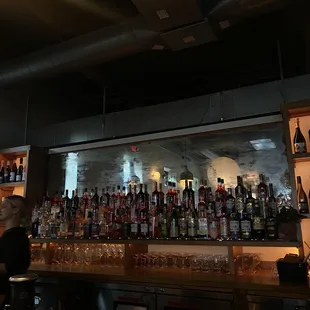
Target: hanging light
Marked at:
186, 175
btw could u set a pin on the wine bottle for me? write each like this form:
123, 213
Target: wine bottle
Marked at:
299, 140
302, 199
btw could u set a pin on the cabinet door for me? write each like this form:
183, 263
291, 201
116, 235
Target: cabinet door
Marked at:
166, 302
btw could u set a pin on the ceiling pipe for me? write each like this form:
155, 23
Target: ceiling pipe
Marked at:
92, 48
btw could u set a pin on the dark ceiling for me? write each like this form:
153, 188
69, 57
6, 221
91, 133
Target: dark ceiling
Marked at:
245, 53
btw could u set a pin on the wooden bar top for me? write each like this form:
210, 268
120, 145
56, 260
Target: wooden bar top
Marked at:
176, 278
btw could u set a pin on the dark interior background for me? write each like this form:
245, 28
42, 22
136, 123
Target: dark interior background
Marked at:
258, 48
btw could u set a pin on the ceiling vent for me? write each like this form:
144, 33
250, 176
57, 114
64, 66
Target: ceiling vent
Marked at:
168, 14
189, 36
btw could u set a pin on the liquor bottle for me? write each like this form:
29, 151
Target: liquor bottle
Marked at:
24, 174
271, 225
63, 225
201, 195
300, 145
143, 207
210, 202
302, 199
192, 223
2, 172
213, 227
234, 225
95, 199
19, 174
258, 229
224, 224
246, 227
239, 200
87, 225
183, 222
241, 186
161, 196
230, 201
13, 172
186, 195
191, 196
219, 198
76, 200
272, 202
134, 227
249, 203
67, 201
7, 172
223, 189
170, 197
262, 194
174, 224
71, 220
202, 230
155, 196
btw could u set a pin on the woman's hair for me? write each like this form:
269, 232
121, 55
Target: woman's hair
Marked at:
20, 203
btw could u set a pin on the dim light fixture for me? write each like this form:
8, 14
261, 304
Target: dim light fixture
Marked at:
156, 175
188, 39
162, 14
263, 144
186, 175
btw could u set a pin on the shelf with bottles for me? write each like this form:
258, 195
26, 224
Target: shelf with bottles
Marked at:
140, 218
193, 242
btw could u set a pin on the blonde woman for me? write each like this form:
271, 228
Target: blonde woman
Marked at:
14, 243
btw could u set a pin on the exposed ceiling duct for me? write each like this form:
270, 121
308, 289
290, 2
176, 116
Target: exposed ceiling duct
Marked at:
95, 47
230, 12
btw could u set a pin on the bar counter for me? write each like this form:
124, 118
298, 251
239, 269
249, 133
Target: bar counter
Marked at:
262, 282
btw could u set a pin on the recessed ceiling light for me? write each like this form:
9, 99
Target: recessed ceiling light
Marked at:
162, 14
224, 24
189, 39
158, 47
263, 144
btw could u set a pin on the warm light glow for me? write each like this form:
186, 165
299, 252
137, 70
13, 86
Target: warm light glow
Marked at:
182, 183
225, 168
155, 175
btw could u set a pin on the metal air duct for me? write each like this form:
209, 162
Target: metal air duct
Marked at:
95, 47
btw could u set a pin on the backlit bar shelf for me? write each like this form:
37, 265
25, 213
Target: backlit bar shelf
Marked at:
241, 243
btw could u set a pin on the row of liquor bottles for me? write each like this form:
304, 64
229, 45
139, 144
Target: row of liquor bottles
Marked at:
140, 215
10, 173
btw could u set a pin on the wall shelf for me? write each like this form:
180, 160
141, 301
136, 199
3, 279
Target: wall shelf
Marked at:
241, 243
12, 184
301, 157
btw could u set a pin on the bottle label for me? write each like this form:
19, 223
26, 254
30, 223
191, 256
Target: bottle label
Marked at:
192, 228
202, 227
246, 226
258, 223
62, 227
213, 230
174, 232
24, 176
1, 179
273, 207
134, 227
230, 205
303, 207
224, 227
249, 208
12, 176
183, 227
239, 206
144, 228
300, 147
218, 208
18, 178
234, 226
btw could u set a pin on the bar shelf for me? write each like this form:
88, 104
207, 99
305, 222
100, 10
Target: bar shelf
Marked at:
241, 243
12, 185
